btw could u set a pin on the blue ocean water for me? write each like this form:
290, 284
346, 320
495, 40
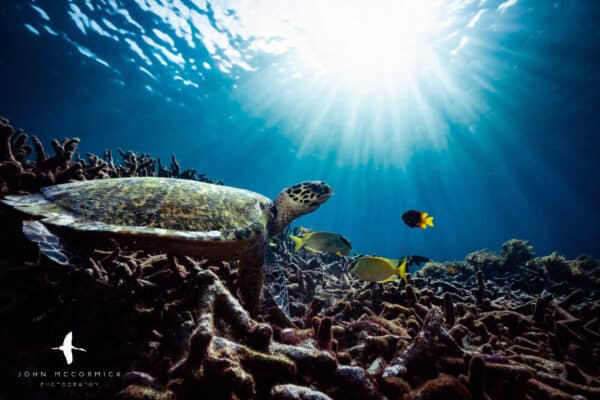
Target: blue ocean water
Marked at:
482, 113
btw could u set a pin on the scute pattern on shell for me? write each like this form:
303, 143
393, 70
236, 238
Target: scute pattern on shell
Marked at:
157, 204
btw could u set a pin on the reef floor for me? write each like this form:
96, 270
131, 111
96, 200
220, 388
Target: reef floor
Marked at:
504, 325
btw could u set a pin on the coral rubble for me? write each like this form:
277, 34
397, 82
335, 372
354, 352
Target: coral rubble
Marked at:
494, 326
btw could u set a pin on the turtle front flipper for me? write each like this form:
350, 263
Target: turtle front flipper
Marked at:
258, 269
276, 283
251, 275
47, 242
276, 299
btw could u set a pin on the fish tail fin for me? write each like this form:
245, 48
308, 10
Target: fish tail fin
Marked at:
402, 270
48, 243
425, 221
429, 221
298, 242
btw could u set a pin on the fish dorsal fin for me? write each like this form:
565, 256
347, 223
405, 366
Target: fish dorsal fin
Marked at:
345, 241
385, 260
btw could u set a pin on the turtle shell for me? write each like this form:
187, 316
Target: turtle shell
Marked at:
166, 207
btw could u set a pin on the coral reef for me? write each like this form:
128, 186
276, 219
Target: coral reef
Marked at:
493, 326
516, 252
485, 261
20, 174
433, 339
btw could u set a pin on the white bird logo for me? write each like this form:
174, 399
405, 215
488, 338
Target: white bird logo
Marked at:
67, 348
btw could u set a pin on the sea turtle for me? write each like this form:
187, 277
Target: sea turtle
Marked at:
180, 217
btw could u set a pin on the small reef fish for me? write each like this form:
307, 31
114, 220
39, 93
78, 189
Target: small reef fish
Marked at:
378, 269
417, 219
300, 230
410, 260
327, 242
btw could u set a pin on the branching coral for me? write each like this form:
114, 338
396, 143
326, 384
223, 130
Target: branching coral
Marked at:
20, 174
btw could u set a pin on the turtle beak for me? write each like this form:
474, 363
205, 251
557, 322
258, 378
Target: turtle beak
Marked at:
326, 197
325, 191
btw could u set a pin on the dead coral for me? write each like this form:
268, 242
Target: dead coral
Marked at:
295, 392
20, 174
390, 342
444, 387
135, 392
476, 380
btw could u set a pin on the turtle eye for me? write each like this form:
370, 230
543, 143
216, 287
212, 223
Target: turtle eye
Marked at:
322, 189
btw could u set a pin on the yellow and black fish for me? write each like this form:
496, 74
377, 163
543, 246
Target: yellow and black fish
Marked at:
417, 219
410, 260
327, 242
416, 260
378, 269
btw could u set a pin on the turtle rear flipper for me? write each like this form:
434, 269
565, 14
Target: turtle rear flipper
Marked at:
48, 243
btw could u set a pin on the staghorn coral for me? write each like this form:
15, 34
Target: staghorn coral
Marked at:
137, 392
20, 174
295, 392
476, 380
444, 387
448, 309
380, 345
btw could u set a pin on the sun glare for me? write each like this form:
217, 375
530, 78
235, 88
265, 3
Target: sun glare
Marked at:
361, 78
359, 42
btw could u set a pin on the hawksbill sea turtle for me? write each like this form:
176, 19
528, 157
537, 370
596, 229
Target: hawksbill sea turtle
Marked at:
176, 216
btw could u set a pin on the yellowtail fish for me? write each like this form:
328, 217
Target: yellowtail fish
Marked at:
417, 219
378, 269
327, 242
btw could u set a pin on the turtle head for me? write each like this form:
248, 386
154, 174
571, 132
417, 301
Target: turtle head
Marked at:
297, 200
